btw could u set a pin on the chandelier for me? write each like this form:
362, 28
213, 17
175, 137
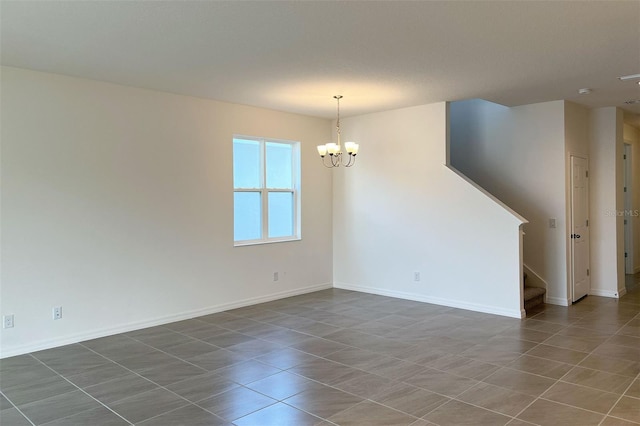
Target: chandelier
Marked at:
336, 156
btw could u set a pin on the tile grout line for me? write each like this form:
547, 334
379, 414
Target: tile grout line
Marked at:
15, 406
384, 353
169, 390
81, 390
157, 384
499, 368
558, 380
622, 395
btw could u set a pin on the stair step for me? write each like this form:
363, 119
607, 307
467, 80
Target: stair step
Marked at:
532, 292
533, 296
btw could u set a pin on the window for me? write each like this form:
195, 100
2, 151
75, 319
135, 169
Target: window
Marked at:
266, 190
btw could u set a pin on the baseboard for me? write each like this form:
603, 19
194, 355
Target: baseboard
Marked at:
557, 301
637, 270
94, 334
608, 293
513, 313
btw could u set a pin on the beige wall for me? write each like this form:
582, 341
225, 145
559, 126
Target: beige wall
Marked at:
117, 204
576, 137
632, 136
487, 139
401, 210
606, 197
518, 155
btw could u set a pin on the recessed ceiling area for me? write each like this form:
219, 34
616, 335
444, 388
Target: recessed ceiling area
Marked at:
294, 56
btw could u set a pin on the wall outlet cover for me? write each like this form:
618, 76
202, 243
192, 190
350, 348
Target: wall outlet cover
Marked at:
7, 321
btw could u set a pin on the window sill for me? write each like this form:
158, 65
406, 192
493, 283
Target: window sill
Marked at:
259, 242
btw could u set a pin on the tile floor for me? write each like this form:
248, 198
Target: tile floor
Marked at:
344, 358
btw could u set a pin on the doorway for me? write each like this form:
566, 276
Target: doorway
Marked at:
580, 273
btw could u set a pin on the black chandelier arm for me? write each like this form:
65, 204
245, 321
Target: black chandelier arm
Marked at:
336, 159
331, 162
352, 161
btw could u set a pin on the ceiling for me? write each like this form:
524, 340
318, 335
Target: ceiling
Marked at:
294, 56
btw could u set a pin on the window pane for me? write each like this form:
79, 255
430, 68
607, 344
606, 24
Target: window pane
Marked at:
246, 163
279, 170
247, 224
280, 214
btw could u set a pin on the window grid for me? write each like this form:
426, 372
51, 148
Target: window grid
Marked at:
264, 192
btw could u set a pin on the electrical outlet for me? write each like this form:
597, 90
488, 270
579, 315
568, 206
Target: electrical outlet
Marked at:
276, 276
57, 312
7, 321
416, 276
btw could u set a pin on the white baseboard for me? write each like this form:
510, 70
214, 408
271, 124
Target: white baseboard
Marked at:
557, 301
513, 313
94, 334
608, 293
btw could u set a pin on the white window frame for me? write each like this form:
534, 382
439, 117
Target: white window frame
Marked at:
264, 192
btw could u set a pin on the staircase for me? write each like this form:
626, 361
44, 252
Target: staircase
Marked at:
533, 296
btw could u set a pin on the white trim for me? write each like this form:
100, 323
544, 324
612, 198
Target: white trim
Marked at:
513, 313
637, 270
486, 193
558, 301
80, 337
264, 191
608, 293
533, 276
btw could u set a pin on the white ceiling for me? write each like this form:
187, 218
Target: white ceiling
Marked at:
294, 56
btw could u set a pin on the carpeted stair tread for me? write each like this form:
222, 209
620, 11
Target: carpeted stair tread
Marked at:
531, 292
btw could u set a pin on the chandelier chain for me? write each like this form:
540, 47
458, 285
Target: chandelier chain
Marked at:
338, 97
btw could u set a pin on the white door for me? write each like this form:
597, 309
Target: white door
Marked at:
628, 207
580, 281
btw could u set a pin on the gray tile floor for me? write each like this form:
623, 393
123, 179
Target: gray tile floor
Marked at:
344, 358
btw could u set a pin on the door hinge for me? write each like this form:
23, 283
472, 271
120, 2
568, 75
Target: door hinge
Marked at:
625, 189
587, 222
626, 254
588, 272
587, 173
625, 221
624, 156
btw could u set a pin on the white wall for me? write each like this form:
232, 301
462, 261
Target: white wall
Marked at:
518, 155
117, 204
401, 210
606, 197
632, 136
576, 137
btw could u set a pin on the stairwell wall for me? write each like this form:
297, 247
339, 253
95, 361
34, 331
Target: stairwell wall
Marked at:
632, 136
401, 210
518, 155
